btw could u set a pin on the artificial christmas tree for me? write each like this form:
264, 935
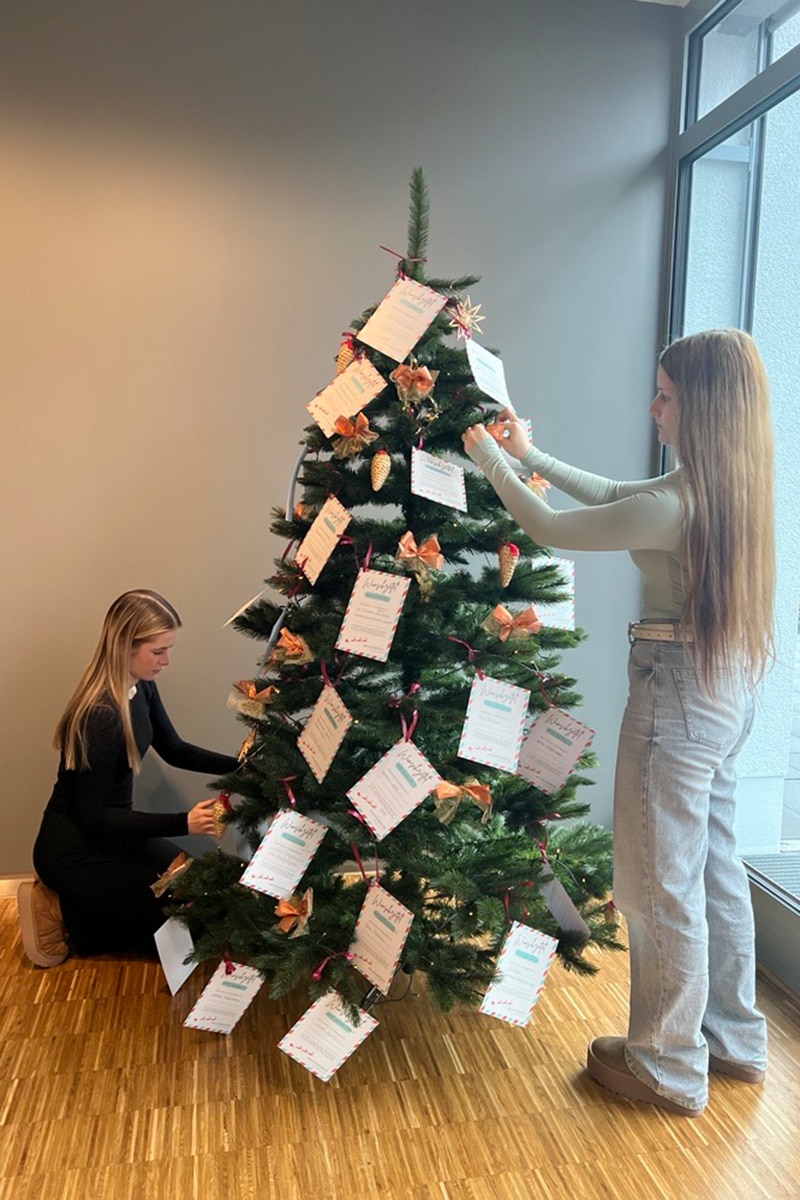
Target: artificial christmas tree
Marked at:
359, 743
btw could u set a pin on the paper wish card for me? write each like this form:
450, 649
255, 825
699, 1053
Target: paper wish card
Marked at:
174, 944
492, 732
283, 855
322, 538
561, 613
381, 931
244, 608
562, 908
373, 610
394, 787
401, 318
325, 1036
488, 372
554, 744
226, 997
346, 395
324, 731
439, 480
521, 971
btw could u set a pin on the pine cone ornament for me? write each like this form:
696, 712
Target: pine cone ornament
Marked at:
221, 807
346, 356
379, 469
507, 558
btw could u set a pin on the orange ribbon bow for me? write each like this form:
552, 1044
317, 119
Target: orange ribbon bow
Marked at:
245, 698
248, 688
290, 647
505, 626
428, 556
292, 644
353, 436
295, 911
413, 383
448, 796
179, 866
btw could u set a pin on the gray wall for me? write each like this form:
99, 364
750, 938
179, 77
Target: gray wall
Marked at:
193, 196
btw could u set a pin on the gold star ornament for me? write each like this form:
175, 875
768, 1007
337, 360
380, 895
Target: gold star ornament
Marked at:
466, 318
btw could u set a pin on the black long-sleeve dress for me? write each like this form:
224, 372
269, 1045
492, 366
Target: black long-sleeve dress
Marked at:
95, 850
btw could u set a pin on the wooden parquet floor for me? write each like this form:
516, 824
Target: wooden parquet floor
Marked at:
103, 1094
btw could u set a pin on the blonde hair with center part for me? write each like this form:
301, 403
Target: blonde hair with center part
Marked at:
724, 445
134, 617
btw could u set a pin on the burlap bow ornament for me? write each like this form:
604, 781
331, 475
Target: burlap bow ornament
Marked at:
353, 436
448, 796
421, 560
413, 383
507, 627
295, 913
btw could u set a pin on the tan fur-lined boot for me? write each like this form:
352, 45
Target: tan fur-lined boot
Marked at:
44, 935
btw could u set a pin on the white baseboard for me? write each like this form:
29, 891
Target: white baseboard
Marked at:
9, 885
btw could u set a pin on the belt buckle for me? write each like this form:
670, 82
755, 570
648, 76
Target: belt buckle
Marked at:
631, 626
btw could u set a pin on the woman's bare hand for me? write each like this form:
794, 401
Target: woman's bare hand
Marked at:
473, 435
201, 817
509, 432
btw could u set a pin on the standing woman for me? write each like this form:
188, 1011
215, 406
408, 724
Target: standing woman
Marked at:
96, 856
702, 537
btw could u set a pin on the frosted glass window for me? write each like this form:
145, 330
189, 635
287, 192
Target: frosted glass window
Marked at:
745, 40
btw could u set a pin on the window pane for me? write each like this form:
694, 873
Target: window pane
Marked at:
750, 37
717, 234
776, 320
745, 209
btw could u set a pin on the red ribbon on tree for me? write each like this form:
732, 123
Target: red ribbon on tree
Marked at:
316, 975
287, 782
545, 679
298, 583
348, 541
507, 897
357, 856
359, 863
402, 258
409, 727
471, 654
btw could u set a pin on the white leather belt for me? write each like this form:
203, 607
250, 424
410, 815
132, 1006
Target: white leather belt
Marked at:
658, 631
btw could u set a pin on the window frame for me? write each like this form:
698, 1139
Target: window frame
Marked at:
752, 101
777, 916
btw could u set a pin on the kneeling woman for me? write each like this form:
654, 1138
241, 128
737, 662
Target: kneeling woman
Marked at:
96, 856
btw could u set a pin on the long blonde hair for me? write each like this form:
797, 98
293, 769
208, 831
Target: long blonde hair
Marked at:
725, 450
134, 617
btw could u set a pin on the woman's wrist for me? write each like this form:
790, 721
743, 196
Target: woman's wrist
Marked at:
484, 451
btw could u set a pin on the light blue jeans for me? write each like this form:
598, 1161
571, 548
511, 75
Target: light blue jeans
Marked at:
677, 876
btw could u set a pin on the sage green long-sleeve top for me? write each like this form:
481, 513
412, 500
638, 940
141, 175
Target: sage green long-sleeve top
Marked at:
644, 517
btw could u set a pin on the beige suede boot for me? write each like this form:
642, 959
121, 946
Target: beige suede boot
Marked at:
44, 936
